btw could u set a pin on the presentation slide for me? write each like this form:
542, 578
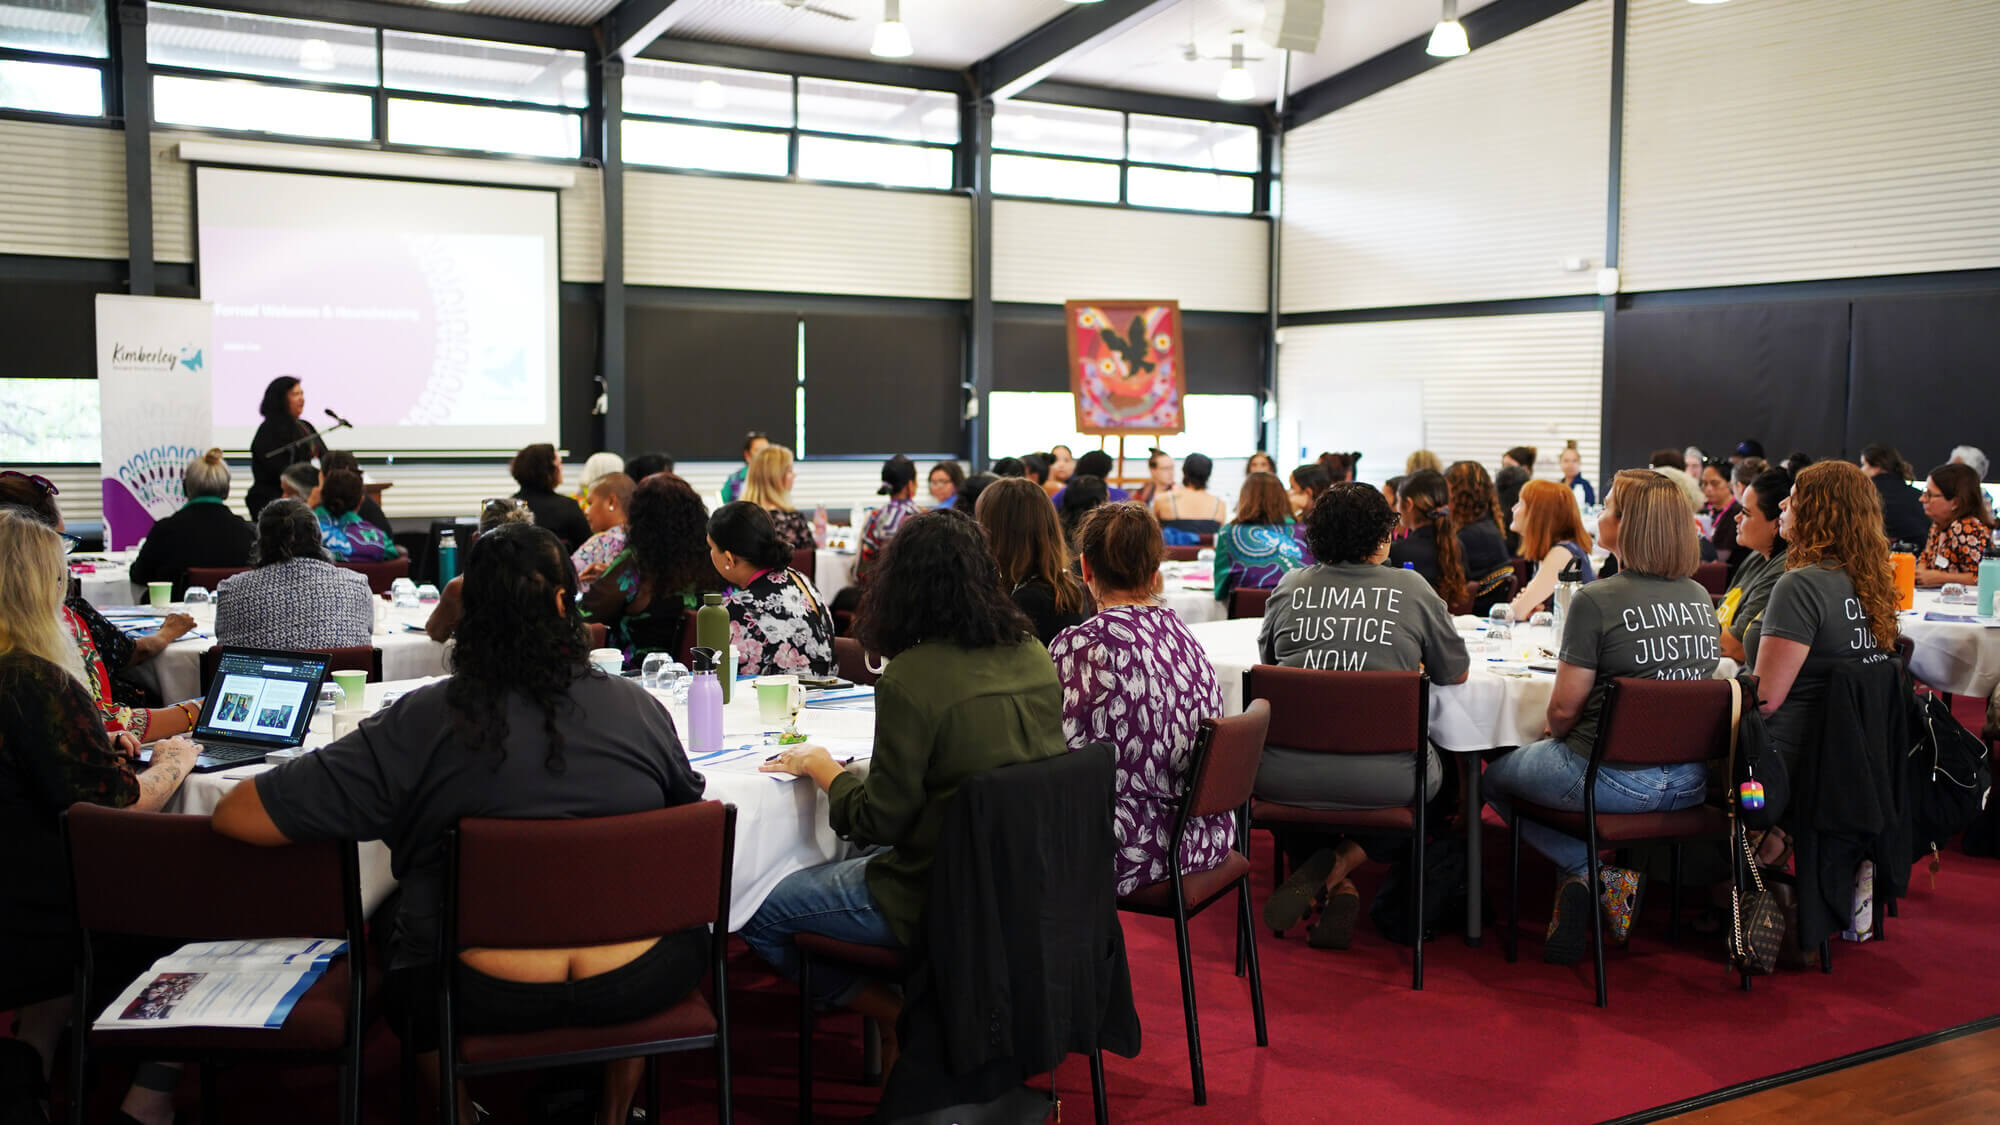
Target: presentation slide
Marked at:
253, 705
424, 313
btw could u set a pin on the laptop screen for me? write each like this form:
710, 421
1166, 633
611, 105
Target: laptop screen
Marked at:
261, 698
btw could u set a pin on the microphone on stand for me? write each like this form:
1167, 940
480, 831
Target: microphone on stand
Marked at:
339, 419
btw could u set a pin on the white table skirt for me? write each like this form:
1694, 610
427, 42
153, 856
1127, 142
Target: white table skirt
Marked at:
833, 571
406, 654
110, 583
1962, 659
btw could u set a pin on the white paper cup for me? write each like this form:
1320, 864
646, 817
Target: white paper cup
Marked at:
609, 660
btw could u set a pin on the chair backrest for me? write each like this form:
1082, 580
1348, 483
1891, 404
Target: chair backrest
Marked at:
685, 654
1663, 722
1342, 712
549, 884
199, 893
1713, 577
1227, 751
805, 561
379, 574
1905, 649
1248, 601
1182, 554
209, 577
853, 661
599, 635
350, 658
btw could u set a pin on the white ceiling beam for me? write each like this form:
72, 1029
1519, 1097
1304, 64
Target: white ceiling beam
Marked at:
1036, 55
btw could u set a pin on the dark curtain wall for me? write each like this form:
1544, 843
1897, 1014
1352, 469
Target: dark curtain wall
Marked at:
884, 383
699, 379
579, 329
1225, 351
49, 328
1714, 375
1926, 375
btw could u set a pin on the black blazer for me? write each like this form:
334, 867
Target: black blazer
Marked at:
559, 514
202, 533
265, 470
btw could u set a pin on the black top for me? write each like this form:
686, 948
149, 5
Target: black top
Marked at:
559, 514
203, 533
1724, 537
1482, 552
265, 470
371, 512
1037, 599
1903, 518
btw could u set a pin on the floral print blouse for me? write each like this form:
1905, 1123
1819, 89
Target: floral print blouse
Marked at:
600, 549
794, 528
1134, 677
1956, 547
779, 624
349, 538
117, 716
883, 524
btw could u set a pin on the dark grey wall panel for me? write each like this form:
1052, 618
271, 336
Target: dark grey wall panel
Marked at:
1926, 375
701, 378
884, 383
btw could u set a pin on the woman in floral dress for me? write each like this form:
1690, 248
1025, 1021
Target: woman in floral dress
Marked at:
777, 621
1134, 677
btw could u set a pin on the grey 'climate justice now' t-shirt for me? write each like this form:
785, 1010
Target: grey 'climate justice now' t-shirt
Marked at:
1641, 626
1360, 617
1816, 607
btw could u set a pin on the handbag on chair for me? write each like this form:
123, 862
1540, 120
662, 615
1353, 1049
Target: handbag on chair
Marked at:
1757, 921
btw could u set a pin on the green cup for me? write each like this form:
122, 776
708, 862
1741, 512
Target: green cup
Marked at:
354, 685
777, 696
160, 594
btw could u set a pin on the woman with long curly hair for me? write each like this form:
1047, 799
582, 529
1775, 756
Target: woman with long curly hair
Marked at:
1552, 536
1034, 558
525, 728
964, 693
1836, 601
1427, 544
663, 570
1475, 515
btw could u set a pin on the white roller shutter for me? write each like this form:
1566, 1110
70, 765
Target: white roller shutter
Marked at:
1786, 140
1472, 181
1047, 253
717, 233
62, 190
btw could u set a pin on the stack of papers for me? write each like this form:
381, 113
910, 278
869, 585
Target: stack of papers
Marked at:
846, 699
1962, 618
223, 984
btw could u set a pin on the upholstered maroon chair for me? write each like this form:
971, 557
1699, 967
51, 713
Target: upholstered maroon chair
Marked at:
379, 574
210, 577
852, 660
1713, 577
1248, 601
353, 658
804, 560
1182, 554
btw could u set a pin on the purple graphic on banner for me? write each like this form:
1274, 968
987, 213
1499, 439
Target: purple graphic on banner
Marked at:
126, 520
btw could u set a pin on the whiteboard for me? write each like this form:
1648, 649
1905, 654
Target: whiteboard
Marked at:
1384, 422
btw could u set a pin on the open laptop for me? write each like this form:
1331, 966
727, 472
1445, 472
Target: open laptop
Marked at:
260, 700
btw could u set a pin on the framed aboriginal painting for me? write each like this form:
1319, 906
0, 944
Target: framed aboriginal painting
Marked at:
1125, 366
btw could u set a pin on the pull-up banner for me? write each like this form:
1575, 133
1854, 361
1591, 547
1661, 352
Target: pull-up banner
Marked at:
153, 395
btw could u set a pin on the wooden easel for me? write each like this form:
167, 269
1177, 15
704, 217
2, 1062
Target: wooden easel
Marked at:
1118, 477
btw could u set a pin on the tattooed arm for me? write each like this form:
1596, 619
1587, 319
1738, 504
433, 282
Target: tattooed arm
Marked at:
173, 760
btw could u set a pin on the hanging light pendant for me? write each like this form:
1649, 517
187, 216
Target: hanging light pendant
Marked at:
1448, 37
892, 39
1237, 85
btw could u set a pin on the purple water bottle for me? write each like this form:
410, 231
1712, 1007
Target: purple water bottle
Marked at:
704, 703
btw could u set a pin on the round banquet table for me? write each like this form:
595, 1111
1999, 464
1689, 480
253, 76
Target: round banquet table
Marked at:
1962, 658
781, 822
833, 571
1189, 590
110, 580
406, 653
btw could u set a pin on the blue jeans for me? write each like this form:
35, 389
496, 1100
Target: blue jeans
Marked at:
831, 900
1549, 773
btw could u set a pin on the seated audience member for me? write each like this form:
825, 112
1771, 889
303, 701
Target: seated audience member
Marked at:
105, 650
1691, 495
1763, 551
1134, 677
945, 478
1903, 517
1340, 466
1307, 482
646, 464
1095, 463
1083, 493
1961, 526
968, 493
1571, 462
539, 473
1652, 621
450, 610
732, 488
1426, 543
1741, 473
1004, 467
55, 752
300, 482
203, 533
1394, 622
663, 571
525, 728
769, 486
595, 468
1835, 603
1419, 461
1260, 462
1034, 559
1667, 459
1035, 466
1191, 507
1062, 466
1259, 545
899, 484
1507, 485
965, 692
368, 508
1748, 447
296, 597
1795, 461
1392, 491
776, 619
1692, 459
606, 508
1521, 457
1972, 457
347, 536
1720, 508
1552, 537
1159, 477
1475, 512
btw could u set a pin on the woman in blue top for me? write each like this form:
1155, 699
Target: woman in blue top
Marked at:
348, 537
1259, 545
1552, 537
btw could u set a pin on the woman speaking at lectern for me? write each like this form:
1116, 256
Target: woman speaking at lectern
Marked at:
283, 408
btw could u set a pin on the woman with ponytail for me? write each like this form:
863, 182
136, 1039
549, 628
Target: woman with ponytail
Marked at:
1475, 514
1432, 548
203, 533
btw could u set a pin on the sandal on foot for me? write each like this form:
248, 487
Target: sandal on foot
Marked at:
1294, 899
1335, 927
1569, 924
1622, 887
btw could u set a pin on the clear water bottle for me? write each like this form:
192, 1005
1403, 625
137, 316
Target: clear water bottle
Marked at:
1567, 584
447, 555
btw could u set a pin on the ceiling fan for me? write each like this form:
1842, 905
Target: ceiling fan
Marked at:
809, 6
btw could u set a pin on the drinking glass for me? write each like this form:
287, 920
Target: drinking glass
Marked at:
1499, 625
427, 594
197, 595
402, 585
652, 666
1954, 593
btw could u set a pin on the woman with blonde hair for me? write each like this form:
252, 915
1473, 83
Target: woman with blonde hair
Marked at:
203, 533
1034, 558
1419, 461
1552, 536
1835, 603
1652, 621
768, 484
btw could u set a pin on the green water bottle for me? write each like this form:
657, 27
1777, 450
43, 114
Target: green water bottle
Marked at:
711, 630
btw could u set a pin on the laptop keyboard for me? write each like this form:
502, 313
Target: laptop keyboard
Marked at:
232, 755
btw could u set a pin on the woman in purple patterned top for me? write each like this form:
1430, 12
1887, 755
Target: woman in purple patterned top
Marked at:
1134, 677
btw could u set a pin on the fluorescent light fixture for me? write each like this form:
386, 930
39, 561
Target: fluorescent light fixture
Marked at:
892, 39
708, 95
1448, 37
1236, 84
451, 3
1708, 1
316, 54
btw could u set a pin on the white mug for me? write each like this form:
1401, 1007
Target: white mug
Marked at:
608, 660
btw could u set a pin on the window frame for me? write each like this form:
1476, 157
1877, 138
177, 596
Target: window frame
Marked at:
1259, 179
107, 84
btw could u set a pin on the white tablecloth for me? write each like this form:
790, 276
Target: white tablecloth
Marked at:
1961, 659
832, 572
110, 582
406, 654
1189, 591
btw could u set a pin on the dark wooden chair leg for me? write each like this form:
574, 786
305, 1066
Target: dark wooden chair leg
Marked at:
1188, 1007
1247, 939
805, 1041
1100, 1104
1826, 956
1417, 908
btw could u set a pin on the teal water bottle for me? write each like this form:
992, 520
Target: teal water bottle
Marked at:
1989, 583
447, 556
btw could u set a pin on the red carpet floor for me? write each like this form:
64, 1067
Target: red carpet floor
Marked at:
1485, 1041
